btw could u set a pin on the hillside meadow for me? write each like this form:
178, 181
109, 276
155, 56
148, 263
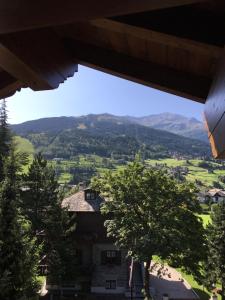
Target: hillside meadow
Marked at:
92, 164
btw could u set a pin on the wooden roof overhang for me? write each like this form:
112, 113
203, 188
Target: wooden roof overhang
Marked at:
176, 46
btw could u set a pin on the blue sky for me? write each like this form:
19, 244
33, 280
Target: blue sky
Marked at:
91, 91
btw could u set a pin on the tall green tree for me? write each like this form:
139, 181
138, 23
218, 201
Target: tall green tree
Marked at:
215, 264
153, 214
19, 254
5, 138
42, 200
41, 191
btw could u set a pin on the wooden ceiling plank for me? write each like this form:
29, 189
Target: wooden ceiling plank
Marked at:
19, 15
146, 73
158, 37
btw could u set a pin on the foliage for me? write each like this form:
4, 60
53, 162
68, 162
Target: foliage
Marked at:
153, 214
40, 192
18, 251
5, 138
65, 138
215, 265
42, 205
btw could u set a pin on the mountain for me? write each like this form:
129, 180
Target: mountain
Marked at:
188, 127
105, 135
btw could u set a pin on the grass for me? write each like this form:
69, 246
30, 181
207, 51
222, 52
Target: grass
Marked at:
23, 145
202, 292
195, 172
206, 219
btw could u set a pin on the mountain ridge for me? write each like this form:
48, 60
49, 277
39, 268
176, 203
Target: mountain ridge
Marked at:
105, 134
174, 123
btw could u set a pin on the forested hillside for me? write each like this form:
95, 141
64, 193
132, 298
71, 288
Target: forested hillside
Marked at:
105, 135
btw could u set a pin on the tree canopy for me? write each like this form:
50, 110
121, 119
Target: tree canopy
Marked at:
215, 263
42, 205
19, 253
153, 214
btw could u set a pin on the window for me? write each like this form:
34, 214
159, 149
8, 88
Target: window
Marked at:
111, 253
90, 196
110, 284
111, 257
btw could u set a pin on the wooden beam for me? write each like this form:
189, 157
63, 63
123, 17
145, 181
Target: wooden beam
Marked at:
157, 76
8, 85
158, 37
37, 59
215, 112
18, 15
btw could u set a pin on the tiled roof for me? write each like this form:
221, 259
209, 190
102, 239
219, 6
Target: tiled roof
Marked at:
78, 203
214, 192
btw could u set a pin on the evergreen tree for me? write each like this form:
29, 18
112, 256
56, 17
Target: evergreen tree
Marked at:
215, 265
5, 138
18, 251
42, 205
41, 192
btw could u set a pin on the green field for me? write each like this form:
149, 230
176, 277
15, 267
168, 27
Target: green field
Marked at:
23, 145
206, 219
100, 164
194, 171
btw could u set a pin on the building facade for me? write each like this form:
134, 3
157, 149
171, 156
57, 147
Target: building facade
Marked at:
104, 270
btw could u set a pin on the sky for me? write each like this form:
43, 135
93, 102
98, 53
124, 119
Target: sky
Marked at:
91, 91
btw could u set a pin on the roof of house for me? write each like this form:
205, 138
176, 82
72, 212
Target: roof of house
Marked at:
216, 192
78, 203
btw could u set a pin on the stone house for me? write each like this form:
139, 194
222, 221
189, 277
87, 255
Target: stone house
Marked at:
104, 268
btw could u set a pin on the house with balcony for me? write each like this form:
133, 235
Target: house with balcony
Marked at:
104, 269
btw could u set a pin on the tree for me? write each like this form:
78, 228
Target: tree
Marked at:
153, 214
18, 251
5, 138
215, 264
40, 192
42, 205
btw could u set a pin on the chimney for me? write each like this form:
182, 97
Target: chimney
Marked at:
82, 186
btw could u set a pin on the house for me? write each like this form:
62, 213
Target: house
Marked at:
104, 268
215, 196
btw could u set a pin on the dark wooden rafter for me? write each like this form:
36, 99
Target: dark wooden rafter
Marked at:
8, 85
37, 59
19, 15
146, 73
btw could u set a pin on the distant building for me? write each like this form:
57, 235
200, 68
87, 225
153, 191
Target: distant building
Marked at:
105, 269
57, 159
215, 196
